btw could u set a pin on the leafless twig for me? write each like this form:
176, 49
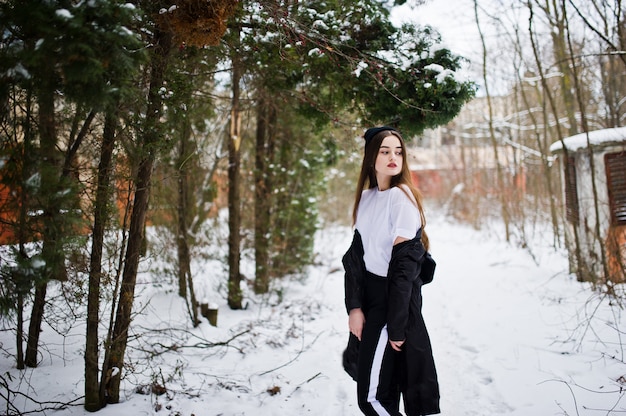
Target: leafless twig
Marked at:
10, 395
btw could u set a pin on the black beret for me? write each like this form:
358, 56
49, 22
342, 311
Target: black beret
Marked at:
371, 132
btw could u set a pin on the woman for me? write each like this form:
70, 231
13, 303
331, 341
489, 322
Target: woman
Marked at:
383, 284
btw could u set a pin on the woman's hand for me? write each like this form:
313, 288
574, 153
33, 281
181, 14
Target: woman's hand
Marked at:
356, 320
396, 345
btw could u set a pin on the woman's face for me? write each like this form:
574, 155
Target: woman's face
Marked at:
390, 158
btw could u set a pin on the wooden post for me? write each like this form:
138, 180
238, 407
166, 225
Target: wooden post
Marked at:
209, 311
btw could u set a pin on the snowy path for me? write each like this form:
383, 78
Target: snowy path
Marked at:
504, 330
507, 332
506, 335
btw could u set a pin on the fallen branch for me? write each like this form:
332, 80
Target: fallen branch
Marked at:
294, 358
180, 344
303, 383
44, 406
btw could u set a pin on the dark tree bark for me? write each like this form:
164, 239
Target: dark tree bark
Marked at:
55, 177
36, 318
149, 145
93, 399
266, 133
22, 232
261, 201
181, 239
19, 333
185, 281
49, 171
234, 192
55, 173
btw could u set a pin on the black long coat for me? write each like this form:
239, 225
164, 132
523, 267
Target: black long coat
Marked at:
410, 267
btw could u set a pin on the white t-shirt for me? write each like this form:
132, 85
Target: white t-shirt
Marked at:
381, 218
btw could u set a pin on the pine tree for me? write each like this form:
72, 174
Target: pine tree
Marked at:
322, 59
57, 58
191, 22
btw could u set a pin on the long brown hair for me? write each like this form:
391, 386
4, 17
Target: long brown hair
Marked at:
367, 177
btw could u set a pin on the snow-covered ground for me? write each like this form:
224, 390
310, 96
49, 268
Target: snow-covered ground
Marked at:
512, 334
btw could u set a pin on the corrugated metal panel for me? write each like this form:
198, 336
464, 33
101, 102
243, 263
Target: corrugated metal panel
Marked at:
616, 183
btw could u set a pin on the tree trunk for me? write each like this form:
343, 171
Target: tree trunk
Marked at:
181, 239
567, 79
34, 327
193, 301
149, 146
105, 373
494, 142
234, 194
54, 176
93, 400
23, 234
583, 112
545, 162
261, 200
185, 280
553, 109
19, 333
51, 253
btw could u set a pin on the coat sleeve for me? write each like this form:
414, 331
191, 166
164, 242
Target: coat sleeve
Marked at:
354, 267
406, 259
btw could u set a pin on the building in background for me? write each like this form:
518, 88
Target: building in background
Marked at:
594, 183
